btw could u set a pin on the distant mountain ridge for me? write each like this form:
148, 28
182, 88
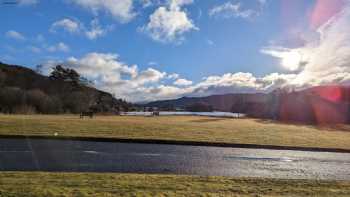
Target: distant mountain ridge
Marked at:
320, 104
223, 102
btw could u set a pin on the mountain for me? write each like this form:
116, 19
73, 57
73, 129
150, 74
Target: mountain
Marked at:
321, 104
224, 102
23, 90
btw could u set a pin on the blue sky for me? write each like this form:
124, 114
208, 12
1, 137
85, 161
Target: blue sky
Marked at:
145, 50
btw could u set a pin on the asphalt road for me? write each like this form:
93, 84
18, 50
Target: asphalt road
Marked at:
87, 156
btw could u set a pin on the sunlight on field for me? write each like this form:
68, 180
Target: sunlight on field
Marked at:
188, 128
112, 184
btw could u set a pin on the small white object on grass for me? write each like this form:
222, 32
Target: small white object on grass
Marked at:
55, 134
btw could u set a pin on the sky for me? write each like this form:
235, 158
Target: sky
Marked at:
145, 50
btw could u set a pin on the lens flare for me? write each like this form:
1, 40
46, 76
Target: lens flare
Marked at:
324, 10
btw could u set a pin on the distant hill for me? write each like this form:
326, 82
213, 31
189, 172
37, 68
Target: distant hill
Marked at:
321, 104
225, 102
23, 90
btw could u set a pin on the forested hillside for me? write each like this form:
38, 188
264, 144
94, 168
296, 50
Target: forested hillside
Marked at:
23, 90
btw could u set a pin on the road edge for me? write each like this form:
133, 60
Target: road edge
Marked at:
177, 142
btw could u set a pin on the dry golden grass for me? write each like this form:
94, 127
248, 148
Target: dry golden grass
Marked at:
188, 128
39, 184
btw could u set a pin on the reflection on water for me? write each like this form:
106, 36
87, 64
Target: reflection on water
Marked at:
185, 113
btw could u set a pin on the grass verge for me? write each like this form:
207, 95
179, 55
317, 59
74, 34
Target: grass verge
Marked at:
41, 184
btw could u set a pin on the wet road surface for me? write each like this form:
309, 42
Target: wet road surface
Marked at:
87, 156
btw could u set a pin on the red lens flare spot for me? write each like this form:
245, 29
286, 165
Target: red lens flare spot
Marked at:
324, 10
330, 93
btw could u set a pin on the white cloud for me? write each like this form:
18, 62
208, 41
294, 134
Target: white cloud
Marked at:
76, 27
162, 92
239, 83
176, 4
291, 59
15, 35
173, 76
148, 76
105, 67
60, 47
230, 9
227, 83
169, 23
96, 30
122, 10
110, 74
183, 82
67, 24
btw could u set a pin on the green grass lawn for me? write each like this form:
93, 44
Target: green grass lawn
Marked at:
39, 184
188, 128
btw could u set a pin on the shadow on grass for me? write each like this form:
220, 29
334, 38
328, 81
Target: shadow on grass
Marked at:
325, 127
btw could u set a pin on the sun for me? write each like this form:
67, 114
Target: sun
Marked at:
291, 60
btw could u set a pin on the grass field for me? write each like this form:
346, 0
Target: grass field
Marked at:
27, 184
188, 128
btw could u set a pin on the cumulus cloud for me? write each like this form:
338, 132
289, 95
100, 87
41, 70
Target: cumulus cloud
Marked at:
148, 76
239, 82
182, 82
121, 10
162, 92
169, 23
15, 35
231, 9
110, 74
